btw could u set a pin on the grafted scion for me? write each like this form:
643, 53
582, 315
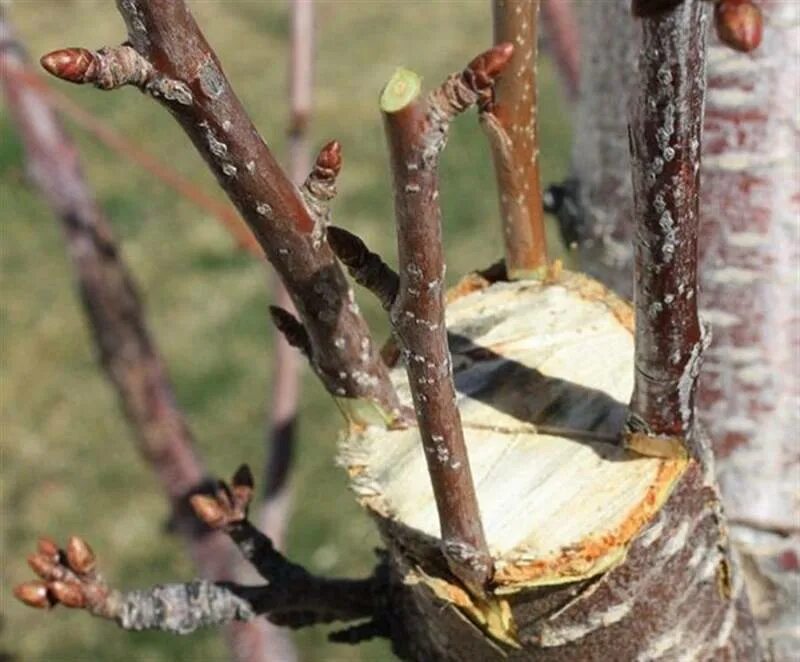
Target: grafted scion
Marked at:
509, 119
416, 130
665, 132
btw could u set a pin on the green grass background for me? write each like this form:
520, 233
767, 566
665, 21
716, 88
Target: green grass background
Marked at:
68, 461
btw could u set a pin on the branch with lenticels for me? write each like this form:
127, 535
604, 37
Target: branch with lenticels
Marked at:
169, 58
509, 119
666, 120
416, 130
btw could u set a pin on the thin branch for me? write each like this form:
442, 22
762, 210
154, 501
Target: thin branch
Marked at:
416, 131
170, 60
113, 307
510, 123
665, 137
281, 437
563, 42
68, 577
127, 352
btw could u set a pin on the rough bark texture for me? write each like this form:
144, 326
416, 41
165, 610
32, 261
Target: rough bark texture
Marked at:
629, 613
749, 252
113, 307
666, 122
165, 34
510, 123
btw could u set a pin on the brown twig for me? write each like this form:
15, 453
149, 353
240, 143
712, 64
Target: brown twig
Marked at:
170, 59
509, 121
128, 353
416, 130
665, 133
563, 42
274, 514
293, 597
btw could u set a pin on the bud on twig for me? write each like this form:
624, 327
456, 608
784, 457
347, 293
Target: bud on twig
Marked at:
34, 594
80, 556
49, 548
366, 267
208, 510
242, 486
76, 65
68, 594
42, 565
329, 159
739, 23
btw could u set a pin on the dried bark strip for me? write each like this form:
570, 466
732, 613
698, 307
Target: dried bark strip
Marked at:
416, 131
665, 137
114, 311
509, 121
172, 54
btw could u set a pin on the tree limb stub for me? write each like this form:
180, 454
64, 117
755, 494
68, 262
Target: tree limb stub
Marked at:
665, 132
416, 131
170, 59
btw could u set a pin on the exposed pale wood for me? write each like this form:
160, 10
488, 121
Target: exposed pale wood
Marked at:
582, 531
575, 374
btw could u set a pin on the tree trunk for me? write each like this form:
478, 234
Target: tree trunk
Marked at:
750, 387
748, 248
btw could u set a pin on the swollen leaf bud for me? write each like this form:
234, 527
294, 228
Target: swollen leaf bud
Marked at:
208, 510
34, 594
42, 565
69, 594
740, 24
80, 556
76, 65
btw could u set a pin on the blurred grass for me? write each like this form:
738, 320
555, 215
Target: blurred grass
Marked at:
67, 459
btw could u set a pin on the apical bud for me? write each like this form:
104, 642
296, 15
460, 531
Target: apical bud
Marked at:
69, 594
330, 157
740, 24
33, 594
75, 65
80, 556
